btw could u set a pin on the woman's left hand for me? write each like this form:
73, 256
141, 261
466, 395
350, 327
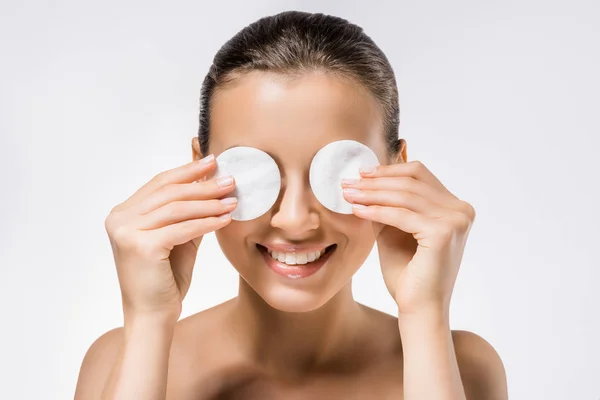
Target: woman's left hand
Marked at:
421, 230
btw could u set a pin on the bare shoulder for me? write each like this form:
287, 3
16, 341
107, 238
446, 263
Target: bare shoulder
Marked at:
383, 325
203, 327
481, 367
193, 335
384, 340
97, 364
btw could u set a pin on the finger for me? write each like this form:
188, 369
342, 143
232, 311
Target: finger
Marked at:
185, 231
179, 211
395, 198
187, 173
206, 190
401, 218
404, 183
414, 169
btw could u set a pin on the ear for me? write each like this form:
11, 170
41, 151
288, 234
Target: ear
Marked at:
401, 152
196, 153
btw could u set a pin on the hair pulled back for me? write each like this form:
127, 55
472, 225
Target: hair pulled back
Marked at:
294, 42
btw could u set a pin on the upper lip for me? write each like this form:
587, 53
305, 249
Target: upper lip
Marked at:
281, 247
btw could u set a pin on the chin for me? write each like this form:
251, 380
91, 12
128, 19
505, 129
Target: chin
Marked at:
289, 299
292, 288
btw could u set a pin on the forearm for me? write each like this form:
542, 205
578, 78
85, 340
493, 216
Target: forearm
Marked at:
140, 371
430, 365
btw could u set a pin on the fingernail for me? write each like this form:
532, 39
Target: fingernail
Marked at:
229, 200
207, 160
368, 170
351, 191
225, 216
350, 181
359, 206
226, 181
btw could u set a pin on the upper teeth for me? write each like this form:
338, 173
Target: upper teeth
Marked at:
296, 258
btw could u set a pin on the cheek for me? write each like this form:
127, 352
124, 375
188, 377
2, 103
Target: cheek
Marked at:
360, 235
232, 240
357, 230
355, 237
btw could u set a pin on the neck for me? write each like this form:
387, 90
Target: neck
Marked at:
292, 343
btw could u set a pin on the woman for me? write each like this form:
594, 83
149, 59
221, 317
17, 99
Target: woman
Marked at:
290, 84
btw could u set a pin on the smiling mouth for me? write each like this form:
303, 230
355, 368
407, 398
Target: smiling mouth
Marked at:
295, 271
297, 258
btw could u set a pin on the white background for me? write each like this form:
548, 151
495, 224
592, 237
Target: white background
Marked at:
499, 99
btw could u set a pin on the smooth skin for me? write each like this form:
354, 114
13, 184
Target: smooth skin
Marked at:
282, 338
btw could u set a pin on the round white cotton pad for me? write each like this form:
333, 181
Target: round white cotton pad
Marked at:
334, 162
257, 180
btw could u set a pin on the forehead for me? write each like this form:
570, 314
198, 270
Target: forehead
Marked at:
293, 117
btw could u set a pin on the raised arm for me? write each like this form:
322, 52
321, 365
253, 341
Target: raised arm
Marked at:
129, 362
448, 365
154, 236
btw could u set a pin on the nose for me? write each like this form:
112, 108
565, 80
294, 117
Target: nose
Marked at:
295, 211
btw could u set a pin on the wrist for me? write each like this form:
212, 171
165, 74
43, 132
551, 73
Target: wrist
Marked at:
154, 321
433, 317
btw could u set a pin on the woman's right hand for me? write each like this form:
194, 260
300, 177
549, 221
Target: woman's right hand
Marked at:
155, 236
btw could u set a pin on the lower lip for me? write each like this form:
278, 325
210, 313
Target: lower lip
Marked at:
295, 271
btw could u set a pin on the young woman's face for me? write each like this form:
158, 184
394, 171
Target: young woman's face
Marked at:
292, 119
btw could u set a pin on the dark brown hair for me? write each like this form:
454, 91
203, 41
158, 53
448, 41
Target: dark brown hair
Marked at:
293, 42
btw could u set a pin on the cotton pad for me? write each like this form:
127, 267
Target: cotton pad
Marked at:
257, 180
334, 162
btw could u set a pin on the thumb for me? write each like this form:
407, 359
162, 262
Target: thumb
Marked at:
183, 258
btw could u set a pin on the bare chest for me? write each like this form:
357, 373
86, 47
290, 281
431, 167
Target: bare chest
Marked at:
229, 385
